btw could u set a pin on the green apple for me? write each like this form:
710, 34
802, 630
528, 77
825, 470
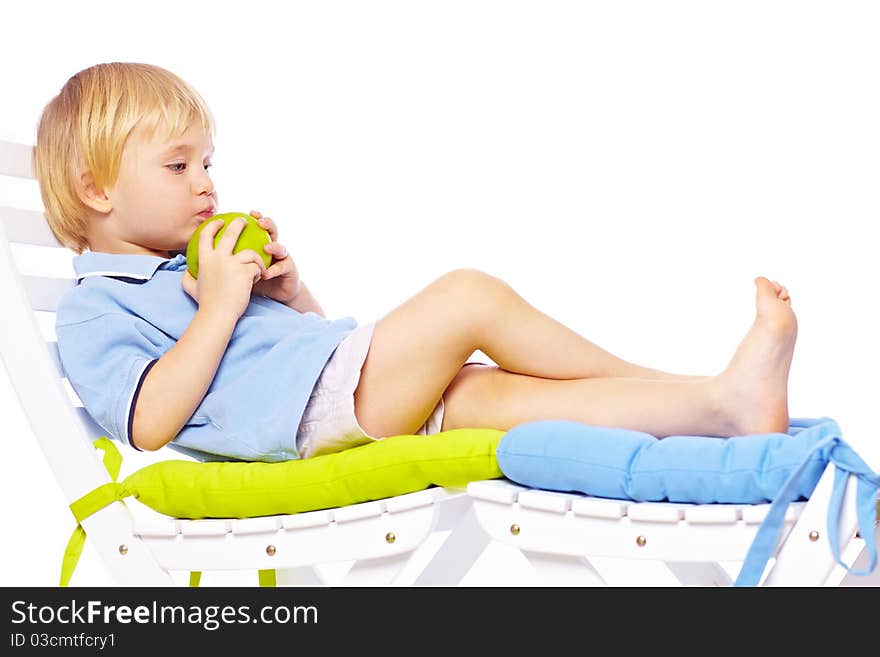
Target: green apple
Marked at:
251, 237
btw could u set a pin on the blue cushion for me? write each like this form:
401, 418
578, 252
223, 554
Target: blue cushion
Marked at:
624, 464
758, 468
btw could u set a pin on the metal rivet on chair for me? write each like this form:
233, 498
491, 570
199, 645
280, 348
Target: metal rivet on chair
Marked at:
270, 550
123, 549
814, 536
514, 529
390, 537
641, 540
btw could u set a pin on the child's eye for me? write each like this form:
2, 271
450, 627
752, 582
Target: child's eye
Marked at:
183, 164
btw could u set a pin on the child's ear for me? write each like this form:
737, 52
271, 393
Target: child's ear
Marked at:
93, 197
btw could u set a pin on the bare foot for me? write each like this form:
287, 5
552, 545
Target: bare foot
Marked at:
754, 386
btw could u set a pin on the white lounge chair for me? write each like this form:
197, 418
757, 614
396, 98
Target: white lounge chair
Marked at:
386, 541
568, 539
577, 540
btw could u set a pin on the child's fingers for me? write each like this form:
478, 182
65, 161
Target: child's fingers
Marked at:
249, 256
279, 268
206, 237
189, 285
230, 235
268, 224
276, 250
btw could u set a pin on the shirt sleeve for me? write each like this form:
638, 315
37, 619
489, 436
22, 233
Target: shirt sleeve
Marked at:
106, 360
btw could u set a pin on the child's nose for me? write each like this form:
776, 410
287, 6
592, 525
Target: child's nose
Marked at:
203, 184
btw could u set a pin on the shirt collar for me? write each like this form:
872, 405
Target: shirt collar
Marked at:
139, 267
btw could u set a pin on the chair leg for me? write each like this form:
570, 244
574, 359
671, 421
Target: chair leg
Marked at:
457, 554
299, 576
563, 569
857, 555
805, 557
382, 571
634, 572
699, 573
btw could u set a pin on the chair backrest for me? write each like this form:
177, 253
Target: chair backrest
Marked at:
27, 342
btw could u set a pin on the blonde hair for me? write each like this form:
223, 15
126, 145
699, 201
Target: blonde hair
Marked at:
85, 127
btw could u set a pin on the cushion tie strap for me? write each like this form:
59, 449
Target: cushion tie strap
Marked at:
97, 499
267, 577
846, 463
102, 496
112, 457
91, 502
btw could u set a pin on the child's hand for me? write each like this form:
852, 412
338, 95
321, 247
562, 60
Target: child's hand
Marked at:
226, 279
280, 281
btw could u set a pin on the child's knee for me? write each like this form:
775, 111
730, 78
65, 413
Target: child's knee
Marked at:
475, 294
469, 397
468, 279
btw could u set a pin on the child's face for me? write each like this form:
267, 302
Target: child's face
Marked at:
159, 195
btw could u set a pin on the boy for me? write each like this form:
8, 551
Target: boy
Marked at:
241, 363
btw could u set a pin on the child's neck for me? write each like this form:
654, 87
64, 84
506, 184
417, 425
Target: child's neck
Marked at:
119, 247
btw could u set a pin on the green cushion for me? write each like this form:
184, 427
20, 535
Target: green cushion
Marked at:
385, 468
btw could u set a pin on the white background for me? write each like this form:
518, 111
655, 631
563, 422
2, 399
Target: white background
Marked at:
628, 167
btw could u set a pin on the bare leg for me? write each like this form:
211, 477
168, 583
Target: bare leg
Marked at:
527, 341
488, 396
750, 396
420, 347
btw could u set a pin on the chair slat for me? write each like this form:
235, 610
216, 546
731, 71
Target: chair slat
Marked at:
409, 501
52, 345
263, 525
27, 227
204, 527
654, 512
307, 519
163, 528
16, 160
358, 511
493, 490
44, 292
754, 515
710, 514
92, 428
596, 507
544, 501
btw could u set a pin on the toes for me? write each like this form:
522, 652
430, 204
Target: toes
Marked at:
764, 286
779, 290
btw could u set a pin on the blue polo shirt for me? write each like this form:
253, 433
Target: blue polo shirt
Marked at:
126, 311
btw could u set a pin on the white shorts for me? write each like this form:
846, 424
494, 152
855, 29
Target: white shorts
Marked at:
329, 423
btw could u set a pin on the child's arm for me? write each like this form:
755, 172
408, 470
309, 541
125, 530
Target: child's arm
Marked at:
281, 280
179, 380
175, 386
304, 301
